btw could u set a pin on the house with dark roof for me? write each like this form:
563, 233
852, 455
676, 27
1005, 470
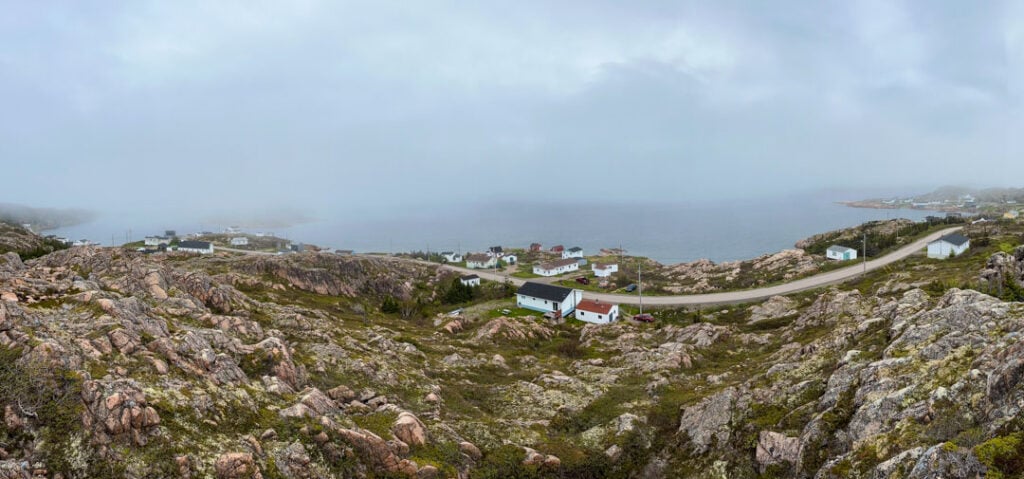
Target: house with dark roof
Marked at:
201, 247
495, 251
574, 252
452, 257
555, 268
548, 298
470, 280
597, 312
953, 244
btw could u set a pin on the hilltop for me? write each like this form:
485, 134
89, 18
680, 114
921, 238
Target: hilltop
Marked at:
118, 364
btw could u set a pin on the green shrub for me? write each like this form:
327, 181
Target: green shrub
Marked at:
1004, 456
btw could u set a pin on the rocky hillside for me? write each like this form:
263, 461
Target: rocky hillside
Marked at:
15, 239
116, 364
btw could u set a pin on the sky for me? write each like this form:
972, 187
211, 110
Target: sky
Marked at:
379, 107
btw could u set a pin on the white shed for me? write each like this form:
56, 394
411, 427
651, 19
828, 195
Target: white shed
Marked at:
597, 312
574, 252
602, 270
470, 280
841, 253
950, 245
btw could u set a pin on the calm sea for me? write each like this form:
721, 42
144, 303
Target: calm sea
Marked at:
669, 233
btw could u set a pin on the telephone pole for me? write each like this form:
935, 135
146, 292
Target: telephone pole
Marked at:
640, 286
865, 252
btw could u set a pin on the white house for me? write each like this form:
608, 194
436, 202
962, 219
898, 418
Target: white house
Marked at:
497, 251
452, 257
553, 268
841, 253
593, 311
509, 258
481, 261
548, 298
157, 240
240, 241
574, 252
602, 270
952, 244
470, 280
201, 247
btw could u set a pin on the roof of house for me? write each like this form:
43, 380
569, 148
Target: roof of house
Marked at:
478, 258
447, 253
558, 263
575, 249
594, 306
496, 249
604, 265
955, 239
194, 244
557, 247
544, 291
840, 248
469, 277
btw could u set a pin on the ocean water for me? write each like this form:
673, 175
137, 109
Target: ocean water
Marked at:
667, 232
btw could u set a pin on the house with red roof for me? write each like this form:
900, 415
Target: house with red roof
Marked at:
597, 312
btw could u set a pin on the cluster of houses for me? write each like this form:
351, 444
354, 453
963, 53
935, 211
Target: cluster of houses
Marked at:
953, 244
490, 259
559, 302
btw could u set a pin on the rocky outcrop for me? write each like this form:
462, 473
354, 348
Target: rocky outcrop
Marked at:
775, 448
410, 430
512, 329
117, 410
377, 452
709, 422
237, 465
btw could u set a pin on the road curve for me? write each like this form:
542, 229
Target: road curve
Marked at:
731, 297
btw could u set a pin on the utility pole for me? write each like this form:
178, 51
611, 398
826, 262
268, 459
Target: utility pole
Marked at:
640, 286
865, 252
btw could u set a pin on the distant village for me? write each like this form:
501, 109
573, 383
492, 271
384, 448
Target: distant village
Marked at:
541, 268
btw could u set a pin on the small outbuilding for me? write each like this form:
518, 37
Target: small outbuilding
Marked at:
953, 244
604, 270
452, 257
240, 241
597, 312
470, 280
840, 253
510, 258
574, 252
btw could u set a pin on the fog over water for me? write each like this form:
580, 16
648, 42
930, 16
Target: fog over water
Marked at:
407, 122
669, 233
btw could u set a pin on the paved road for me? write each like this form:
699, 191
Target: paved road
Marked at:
731, 297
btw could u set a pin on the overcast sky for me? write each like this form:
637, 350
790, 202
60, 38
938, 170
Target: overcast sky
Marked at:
333, 105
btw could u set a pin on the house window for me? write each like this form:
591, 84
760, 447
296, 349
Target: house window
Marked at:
545, 301
599, 316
